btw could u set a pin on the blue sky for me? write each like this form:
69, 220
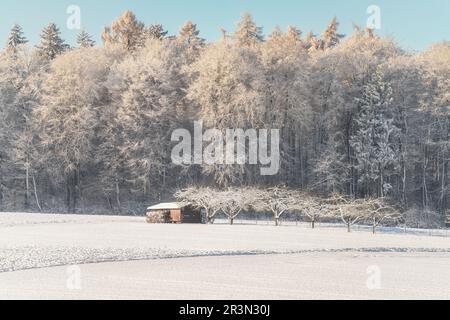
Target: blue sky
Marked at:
415, 24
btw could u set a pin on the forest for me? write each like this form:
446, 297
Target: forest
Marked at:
88, 128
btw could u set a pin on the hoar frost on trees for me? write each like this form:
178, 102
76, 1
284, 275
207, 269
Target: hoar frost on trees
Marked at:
156, 31
16, 39
51, 44
84, 40
376, 138
106, 113
148, 91
73, 90
125, 31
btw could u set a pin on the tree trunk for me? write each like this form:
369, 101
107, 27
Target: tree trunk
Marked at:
424, 186
404, 196
349, 227
27, 187
277, 221
75, 191
207, 217
231, 221
69, 194
443, 185
424, 175
36, 194
1, 194
118, 196
111, 207
313, 224
381, 182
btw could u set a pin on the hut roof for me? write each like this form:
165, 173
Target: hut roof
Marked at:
166, 206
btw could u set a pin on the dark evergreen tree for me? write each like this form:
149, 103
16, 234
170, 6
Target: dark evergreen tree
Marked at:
16, 38
84, 40
156, 31
51, 44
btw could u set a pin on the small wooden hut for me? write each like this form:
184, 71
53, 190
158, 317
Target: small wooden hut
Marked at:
173, 213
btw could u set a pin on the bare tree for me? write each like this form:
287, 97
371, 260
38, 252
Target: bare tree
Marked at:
278, 201
234, 201
206, 199
379, 211
313, 208
232, 204
348, 210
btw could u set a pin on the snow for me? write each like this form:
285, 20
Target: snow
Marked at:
166, 206
305, 276
189, 261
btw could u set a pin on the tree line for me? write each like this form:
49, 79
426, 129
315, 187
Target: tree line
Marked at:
89, 127
280, 201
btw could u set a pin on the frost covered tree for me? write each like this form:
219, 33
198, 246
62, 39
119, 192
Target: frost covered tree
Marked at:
206, 199
232, 203
277, 200
51, 44
379, 211
96, 122
7, 99
156, 31
376, 139
21, 76
227, 87
313, 208
189, 37
435, 125
148, 91
338, 79
311, 42
248, 33
287, 72
294, 34
331, 37
126, 31
346, 209
73, 89
84, 40
16, 39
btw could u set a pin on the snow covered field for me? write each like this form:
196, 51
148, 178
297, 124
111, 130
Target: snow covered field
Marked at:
125, 258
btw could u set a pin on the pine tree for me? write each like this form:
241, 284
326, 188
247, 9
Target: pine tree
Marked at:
374, 143
156, 31
51, 43
15, 39
311, 41
276, 33
248, 33
189, 35
126, 31
84, 40
294, 34
330, 37
189, 38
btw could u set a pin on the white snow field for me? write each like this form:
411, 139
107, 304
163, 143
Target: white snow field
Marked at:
125, 258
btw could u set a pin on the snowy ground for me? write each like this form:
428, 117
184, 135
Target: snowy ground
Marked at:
125, 258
